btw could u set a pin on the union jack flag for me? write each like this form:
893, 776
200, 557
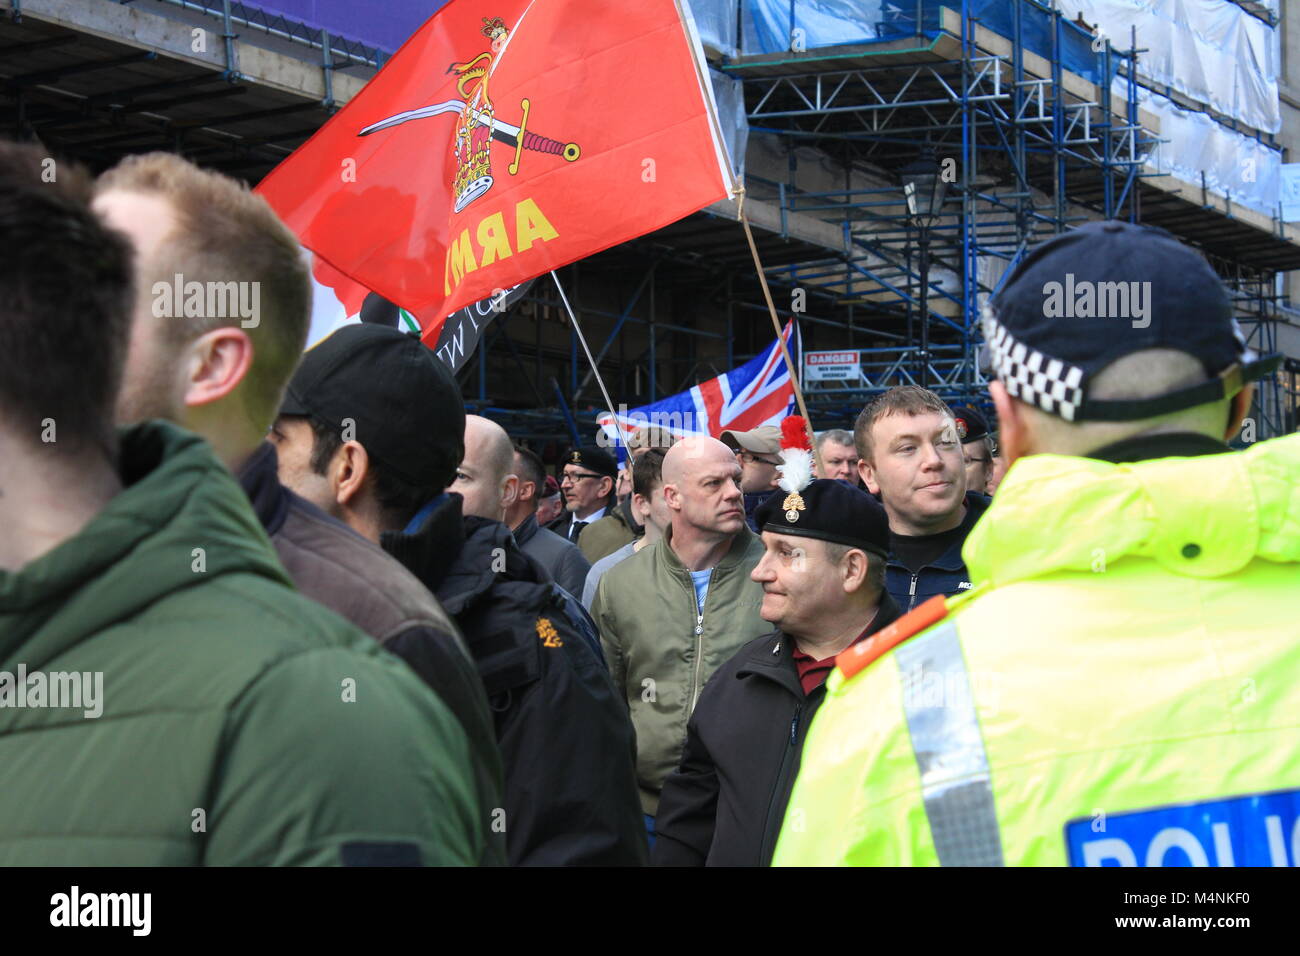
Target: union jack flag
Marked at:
760, 392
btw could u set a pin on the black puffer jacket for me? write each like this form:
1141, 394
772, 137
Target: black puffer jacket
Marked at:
566, 740
724, 804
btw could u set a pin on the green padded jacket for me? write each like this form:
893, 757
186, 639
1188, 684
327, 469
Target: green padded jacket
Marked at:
223, 718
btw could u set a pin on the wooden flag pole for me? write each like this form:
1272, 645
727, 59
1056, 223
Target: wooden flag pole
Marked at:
776, 324
738, 191
618, 432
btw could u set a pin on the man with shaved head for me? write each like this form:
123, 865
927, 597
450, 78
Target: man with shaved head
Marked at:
672, 613
486, 477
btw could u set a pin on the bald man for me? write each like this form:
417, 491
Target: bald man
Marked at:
486, 477
676, 610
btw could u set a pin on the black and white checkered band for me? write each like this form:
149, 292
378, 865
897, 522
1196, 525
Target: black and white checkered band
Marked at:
1031, 376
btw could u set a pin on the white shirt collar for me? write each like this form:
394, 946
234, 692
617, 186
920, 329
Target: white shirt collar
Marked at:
594, 516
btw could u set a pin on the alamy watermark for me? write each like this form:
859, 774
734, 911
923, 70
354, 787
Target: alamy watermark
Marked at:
1098, 300
78, 909
83, 690
959, 689
214, 300
674, 422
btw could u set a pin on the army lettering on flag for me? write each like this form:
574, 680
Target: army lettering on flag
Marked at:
507, 138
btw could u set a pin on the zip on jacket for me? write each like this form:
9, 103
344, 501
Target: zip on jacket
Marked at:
696, 685
775, 807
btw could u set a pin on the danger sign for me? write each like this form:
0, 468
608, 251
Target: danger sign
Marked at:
831, 366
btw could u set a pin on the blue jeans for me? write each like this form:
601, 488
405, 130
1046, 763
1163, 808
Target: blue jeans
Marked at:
650, 829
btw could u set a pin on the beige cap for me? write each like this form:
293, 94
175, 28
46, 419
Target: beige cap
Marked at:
764, 440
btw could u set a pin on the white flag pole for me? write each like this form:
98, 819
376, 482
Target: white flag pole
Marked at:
583, 339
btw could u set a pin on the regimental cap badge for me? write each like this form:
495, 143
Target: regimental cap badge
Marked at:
797, 465
577, 458
962, 430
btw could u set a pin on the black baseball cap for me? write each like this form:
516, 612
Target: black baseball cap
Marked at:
831, 510
404, 404
1094, 294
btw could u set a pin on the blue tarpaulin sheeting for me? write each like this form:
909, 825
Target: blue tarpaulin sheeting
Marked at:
384, 25
773, 26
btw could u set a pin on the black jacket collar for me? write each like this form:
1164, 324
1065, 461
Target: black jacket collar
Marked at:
456, 556
1170, 445
260, 479
773, 656
951, 560
527, 530
430, 550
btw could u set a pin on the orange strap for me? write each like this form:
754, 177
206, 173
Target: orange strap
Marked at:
858, 656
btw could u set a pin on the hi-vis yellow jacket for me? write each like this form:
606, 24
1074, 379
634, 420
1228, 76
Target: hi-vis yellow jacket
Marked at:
1122, 687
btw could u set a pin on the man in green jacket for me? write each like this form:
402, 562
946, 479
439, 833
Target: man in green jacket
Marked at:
165, 697
675, 611
1121, 685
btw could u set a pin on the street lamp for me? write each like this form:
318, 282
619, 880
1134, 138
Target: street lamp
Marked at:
925, 189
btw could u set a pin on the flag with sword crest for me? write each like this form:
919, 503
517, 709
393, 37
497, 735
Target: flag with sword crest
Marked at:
491, 149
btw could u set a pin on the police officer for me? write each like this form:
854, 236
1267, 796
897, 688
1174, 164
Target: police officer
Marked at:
1122, 685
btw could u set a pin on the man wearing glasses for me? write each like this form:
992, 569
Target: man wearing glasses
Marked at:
756, 450
586, 484
976, 447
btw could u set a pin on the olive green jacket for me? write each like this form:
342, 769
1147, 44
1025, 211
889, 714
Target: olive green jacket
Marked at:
661, 650
607, 534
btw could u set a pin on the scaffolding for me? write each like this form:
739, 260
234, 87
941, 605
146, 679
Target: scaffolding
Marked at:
1041, 120
1043, 124
1038, 146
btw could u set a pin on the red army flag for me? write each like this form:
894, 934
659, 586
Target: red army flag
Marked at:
491, 149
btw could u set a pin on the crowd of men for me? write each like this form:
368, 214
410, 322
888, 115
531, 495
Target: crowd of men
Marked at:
340, 621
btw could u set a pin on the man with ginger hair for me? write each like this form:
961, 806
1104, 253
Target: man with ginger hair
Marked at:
675, 611
223, 738
223, 373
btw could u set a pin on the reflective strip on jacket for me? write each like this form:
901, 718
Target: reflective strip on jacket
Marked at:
1122, 686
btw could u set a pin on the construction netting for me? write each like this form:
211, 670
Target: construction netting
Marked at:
1207, 68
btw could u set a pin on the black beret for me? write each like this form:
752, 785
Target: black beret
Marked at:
831, 510
971, 425
593, 459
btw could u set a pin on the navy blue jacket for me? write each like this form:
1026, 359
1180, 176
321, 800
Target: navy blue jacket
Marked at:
751, 505
945, 575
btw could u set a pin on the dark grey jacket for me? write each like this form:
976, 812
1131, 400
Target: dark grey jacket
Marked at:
560, 559
334, 566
